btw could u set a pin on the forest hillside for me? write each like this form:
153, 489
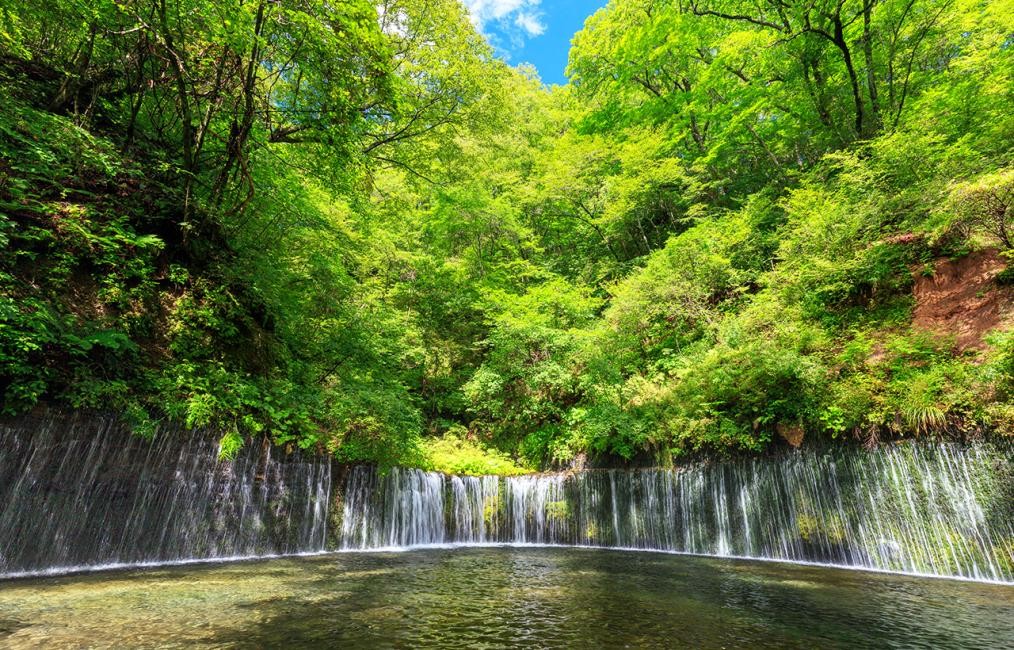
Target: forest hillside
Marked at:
349, 227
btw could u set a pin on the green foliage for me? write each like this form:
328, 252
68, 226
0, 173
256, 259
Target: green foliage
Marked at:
349, 228
986, 206
527, 377
455, 453
229, 445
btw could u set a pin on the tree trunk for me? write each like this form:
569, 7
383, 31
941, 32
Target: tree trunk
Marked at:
857, 96
72, 81
186, 116
875, 121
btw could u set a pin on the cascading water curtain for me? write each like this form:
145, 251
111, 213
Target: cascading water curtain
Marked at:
82, 491
940, 509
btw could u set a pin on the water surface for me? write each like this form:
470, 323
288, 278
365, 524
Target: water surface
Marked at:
503, 597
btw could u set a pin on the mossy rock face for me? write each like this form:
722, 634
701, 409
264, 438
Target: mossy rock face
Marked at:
995, 489
807, 526
335, 519
1004, 551
491, 509
557, 510
829, 529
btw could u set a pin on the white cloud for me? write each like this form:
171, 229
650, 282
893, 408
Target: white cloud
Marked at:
514, 19
531, 23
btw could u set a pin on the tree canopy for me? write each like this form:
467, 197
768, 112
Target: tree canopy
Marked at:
348, 226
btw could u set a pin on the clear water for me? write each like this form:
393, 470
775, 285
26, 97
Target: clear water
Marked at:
503, 597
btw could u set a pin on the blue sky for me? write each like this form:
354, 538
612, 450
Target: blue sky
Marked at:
533, 31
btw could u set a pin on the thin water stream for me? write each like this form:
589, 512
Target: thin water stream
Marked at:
82, 490
942, 509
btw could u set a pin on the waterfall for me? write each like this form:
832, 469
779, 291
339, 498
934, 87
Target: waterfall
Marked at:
81, 490
938, 509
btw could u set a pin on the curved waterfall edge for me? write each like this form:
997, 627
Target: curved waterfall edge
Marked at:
917, 509
85, 569
66, 571
79, 493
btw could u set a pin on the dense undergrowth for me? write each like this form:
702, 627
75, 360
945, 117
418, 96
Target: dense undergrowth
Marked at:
368, 236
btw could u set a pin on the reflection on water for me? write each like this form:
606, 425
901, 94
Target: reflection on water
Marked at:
497, 597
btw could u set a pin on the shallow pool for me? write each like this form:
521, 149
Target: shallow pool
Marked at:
503, 597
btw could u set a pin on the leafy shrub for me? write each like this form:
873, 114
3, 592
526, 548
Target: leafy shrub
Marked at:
986, 206
455, 453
